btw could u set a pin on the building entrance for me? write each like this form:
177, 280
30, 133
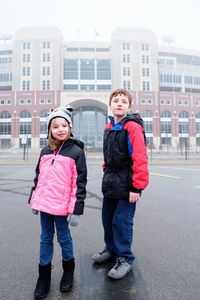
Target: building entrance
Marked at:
88, 126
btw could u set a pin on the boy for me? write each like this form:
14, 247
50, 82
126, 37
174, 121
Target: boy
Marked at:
125, 176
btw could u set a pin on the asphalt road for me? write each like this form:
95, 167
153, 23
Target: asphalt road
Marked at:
166, 239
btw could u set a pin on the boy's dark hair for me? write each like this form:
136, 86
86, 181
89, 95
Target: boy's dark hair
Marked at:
123, 92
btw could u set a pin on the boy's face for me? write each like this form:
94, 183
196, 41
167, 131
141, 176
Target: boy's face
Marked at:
119, 106
60, 129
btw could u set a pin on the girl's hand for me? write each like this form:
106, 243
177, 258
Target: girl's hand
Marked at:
73, 220
134, 197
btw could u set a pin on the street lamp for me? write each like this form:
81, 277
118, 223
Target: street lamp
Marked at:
158, 98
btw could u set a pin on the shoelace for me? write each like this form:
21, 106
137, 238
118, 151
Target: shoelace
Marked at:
104, 251
119, 262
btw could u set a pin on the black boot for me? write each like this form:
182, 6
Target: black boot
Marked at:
43, 282
68, 275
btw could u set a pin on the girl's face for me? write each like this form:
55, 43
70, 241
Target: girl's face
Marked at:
60, 129
119, 106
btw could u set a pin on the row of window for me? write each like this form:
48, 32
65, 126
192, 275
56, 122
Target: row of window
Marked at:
75, 49
87, 87
145, 114
45, 45
168, 114
177, 79
26, 71
5, 60
170, 78
5, 77
167, 102
46, 85
26, 57
25, 127
86, 69
6, 143
26, 101
166, 61
192, 80
144, 47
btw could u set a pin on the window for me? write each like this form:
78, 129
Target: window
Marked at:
25, 122
25, 85
165, 127
188, 79
70, 69
102, 49
5, 115
25, 114
106, 87
26, 45
26, 71
5, 102
43, 121
45, 101
46, 71
46, 44
125, 46
184, 115
197, 127
46, 84
25, 101
70, 86
165, 114
46, 57
147, 114
5, 127
5, 123
5, 77
183, 127
87, 87
2, 102
198, 115
87, 49
26, 57
127, 84
103, 70
148, 126
145, 47
87, 70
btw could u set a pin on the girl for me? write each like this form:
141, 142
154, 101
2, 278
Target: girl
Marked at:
59, 193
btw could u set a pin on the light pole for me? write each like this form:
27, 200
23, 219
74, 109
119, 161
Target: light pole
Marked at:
158, 98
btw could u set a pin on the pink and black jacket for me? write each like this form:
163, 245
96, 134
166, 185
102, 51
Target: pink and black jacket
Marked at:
125, 158
60, 182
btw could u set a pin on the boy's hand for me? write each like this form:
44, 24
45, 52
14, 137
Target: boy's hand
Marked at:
134, 197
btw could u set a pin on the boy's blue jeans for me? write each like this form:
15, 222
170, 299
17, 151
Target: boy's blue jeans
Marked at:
117, 217
47, 234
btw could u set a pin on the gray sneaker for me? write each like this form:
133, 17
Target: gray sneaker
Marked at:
120, 269
102, 257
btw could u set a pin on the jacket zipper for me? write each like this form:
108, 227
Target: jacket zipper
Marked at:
55, 153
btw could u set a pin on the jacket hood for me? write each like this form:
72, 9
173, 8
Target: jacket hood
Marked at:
134, 117
71, 141
130, 117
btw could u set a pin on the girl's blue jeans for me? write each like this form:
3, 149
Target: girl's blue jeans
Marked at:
48, 224
117, 218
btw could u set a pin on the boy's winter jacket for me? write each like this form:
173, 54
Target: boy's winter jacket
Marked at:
60, 182
125, 158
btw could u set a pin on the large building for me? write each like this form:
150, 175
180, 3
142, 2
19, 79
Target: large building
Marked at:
40, 70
